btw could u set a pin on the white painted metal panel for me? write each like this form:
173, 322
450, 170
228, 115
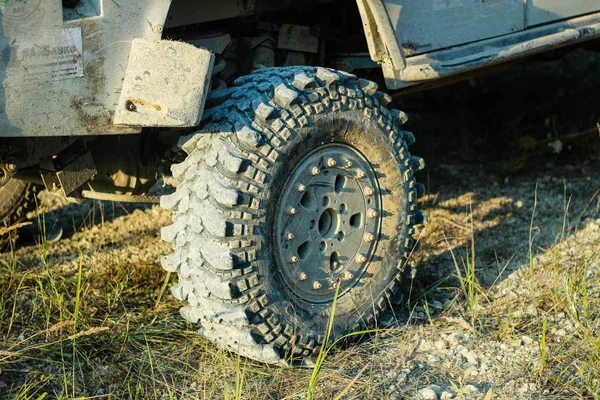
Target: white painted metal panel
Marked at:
64, 78
543, 11
427, 25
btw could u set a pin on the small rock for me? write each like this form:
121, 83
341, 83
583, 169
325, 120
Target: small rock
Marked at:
516, 343
402, 378
460, 349
472, 389
427, 394
524, 389
470, 356
527, 388
392, 374
455, 338
411, 365
510, 385
446, 395
437, 389
526, 340
440, 345
569, 325
433, 359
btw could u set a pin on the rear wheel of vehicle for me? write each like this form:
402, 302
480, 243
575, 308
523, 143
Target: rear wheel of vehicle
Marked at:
17, 198
298, 183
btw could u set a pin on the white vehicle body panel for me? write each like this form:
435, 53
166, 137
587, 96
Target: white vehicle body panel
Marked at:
544, 11
428, 25
38, 95
441, 38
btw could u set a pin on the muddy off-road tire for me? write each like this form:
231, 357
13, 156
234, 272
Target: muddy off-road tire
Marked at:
17, 198
299, 178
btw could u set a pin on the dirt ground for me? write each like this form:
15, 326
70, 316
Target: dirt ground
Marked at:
505, 303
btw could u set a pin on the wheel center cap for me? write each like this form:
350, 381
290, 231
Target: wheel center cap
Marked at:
328, 222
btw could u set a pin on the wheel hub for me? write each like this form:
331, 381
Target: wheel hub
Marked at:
328, 222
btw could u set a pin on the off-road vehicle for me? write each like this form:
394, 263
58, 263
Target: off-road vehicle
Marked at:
295, 187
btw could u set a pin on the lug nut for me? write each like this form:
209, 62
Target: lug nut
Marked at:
360, 258
360, 173
289, 236
301, 188
369, 191
369, 237
347, 276
372, 213
347, 163
315, 171
317, 285
331, 162
292, 211
294, 259
302, 276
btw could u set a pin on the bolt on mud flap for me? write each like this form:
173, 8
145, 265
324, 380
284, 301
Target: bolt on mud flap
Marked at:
166, 85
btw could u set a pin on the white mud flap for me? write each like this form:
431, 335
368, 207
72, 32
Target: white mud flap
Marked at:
166, 84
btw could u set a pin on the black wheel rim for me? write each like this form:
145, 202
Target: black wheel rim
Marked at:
328, 223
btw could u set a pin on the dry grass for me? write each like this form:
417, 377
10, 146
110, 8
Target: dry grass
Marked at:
87, 317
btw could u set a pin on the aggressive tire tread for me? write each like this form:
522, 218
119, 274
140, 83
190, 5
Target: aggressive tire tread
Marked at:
220, 201
17, 198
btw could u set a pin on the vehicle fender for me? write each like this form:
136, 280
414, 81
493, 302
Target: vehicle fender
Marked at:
381, 37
